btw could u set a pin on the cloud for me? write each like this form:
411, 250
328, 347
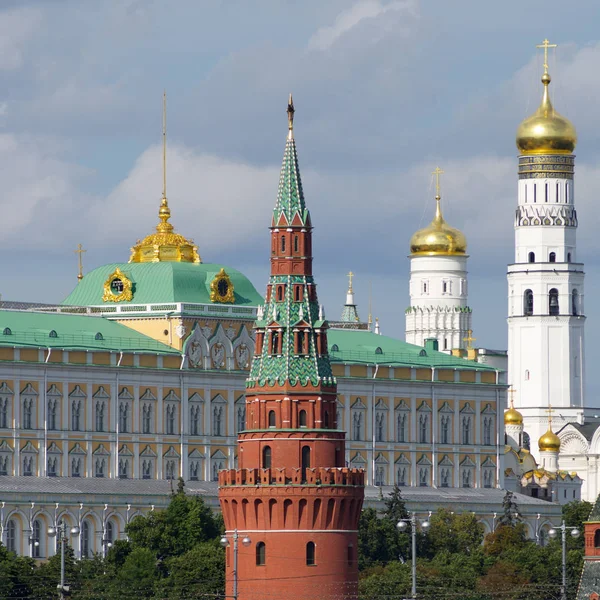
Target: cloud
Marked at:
17, 27
348, 19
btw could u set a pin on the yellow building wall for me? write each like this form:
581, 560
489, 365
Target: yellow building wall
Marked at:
445, 375
467, 376
148, 360
155, 328
488, 377
78, 358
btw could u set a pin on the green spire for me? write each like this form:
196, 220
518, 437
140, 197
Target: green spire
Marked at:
290, 197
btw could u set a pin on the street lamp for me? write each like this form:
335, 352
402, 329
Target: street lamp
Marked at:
62, 531
402, 525
575, 534
225, 542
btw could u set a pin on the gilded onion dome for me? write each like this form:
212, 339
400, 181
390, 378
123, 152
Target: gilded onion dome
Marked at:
438, 238
165, 245
512, 416
546, 132
549, 442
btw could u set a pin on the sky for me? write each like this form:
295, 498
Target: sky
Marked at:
384, 90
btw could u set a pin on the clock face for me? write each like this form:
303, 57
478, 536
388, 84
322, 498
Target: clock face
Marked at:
222, 287
116, 286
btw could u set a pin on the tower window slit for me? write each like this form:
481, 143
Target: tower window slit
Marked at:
552, 257
553, 307
546, 192
528, 303
283, 243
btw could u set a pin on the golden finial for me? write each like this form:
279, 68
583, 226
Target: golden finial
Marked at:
511, 400
469, 339
370, 319
290, 113
79, 252
437, 174
545, 45
164, 212
164, 193
550, 410
350, 276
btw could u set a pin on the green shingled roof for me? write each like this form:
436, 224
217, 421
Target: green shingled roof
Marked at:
161, 282
354, 346
76, 332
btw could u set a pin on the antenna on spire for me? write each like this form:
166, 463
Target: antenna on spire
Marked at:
164, 148
290, 113
545, 45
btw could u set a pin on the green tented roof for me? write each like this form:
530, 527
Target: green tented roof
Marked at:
354, 346
76, 332
160, 282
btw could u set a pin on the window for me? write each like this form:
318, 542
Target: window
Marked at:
305, 461
4, 413
100, 467
11, 536
283, 243
52, 410
379, 475
296, 244
274, 342
401, 427
194, 420
85, 540
487, 431
445, 429
123, 468
326, 420
266, 457
4, 465
28, 466
423, 428
423, 477
36, 536
280, 293
466, 430
597, 539
568, 257
146, 418
28, 414
379, 426
75, 415
310, 554
241, 418
528, 303
170, 414
217, 420
194, 470
301, 418
147, 469
552, 257
76, 467
260, 554
123, 417
575, 302
487, 478
466, 478
109, 534
297, 293
170, 469
445, 478
401, 476
52, 466
425, 287
357, 419
444, 287
100, 415
350, 555
272, 418
553, 307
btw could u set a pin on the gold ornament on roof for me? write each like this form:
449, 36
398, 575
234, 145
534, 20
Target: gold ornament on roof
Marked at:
118, 287
438, 238
549, 442
512, 416
221, 288
165, 245
546, 132
80, 252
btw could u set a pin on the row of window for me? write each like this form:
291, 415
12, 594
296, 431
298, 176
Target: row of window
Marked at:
423, 428
553, 303
551, 257
311, 554
445, 474
547, 191
446, 287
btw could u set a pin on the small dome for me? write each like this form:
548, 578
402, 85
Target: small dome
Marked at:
513, 417
546, 132
549, 442
438, 238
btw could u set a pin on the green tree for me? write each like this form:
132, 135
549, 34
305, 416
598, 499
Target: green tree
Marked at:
575, 514
456, 533
510, 510
16, 575
48, 574
505, 539
137, 577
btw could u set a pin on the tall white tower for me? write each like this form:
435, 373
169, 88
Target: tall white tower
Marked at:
545, 283
438, 284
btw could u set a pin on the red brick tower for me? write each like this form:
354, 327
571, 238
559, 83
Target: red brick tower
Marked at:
292, 499
589, 585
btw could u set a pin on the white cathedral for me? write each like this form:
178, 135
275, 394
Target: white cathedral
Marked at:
546, 315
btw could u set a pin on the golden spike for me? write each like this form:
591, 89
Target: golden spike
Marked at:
469, 339
545, 45
290, 113
350, 276
79, 252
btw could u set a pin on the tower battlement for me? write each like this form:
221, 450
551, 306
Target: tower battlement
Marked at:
322, 476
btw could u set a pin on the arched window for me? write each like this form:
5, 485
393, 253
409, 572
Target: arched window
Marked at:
568, 257
261, 554
302, 418
11, 536
528, 303
110, 533
553, 308
85, 540
531, 257
266, 457
552, 257
466, 430
310, 554
597, 539
36, 539
575, 302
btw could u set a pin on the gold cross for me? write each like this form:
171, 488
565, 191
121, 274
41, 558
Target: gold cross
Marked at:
469, 339
512, 391
350, 276
437, 174
545, 45
80, 251
550, 410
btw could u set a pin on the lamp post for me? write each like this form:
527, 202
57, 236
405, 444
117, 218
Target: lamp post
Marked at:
62, 531
225, 542
575, 534
401, 526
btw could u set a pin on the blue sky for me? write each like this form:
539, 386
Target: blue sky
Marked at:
385, 90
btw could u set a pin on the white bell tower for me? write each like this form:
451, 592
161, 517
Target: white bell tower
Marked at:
545, 283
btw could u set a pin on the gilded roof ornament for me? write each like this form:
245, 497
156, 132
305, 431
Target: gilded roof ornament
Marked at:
549, 442
512, 416
165, 244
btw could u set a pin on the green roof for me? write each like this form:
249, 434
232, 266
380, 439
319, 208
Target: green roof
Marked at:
365, 347
76, 332
160, 282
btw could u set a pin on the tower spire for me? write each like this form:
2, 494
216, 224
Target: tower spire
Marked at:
290, 113
164, 148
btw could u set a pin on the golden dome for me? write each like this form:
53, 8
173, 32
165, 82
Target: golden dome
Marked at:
438, 238
546, 132
165, 245
549, 442
513, 417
